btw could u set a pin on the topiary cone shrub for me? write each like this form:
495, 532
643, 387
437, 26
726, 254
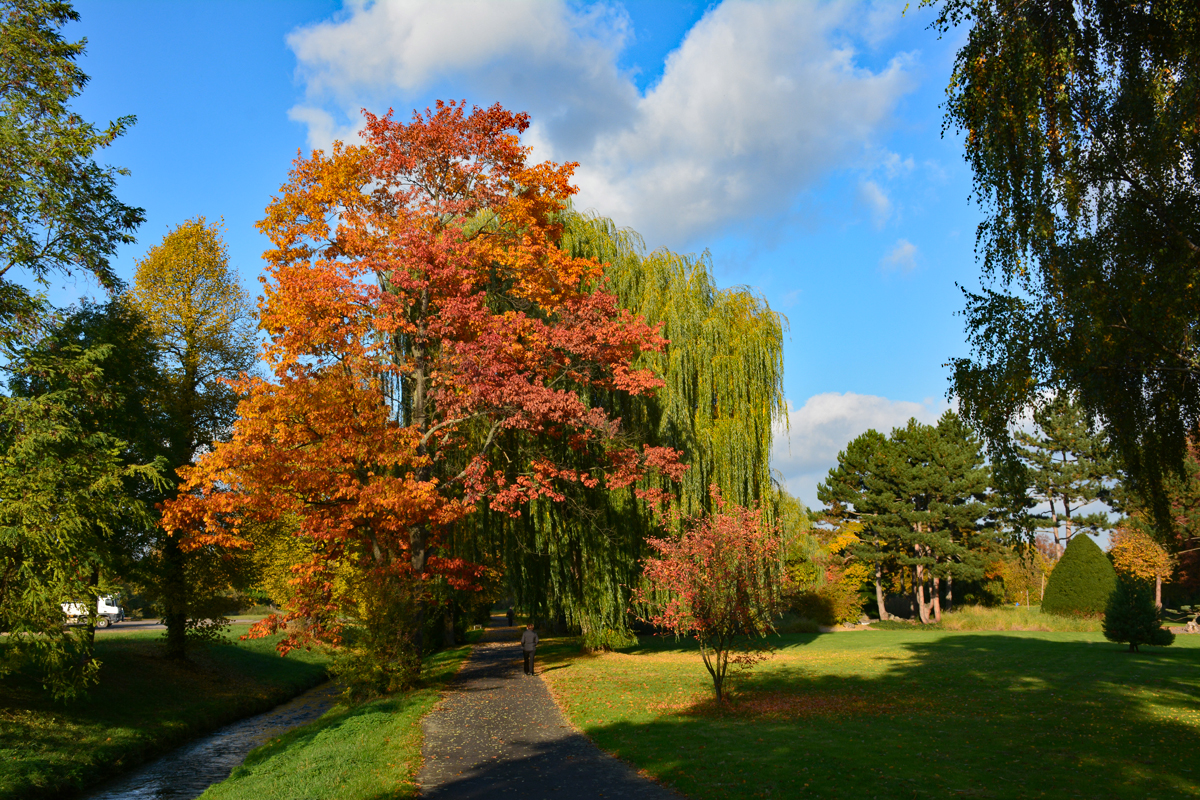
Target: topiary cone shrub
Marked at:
1081, 582
1131, 615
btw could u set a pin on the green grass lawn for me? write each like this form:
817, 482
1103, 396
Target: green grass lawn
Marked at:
364, 752
142, 707
900, 714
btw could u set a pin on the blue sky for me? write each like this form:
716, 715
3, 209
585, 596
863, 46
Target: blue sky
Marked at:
798, 142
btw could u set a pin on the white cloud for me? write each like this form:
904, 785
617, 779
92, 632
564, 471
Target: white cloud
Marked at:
807, 449
876, 200
902, 258
759, 102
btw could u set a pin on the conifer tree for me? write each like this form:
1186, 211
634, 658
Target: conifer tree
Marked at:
74, 506
848, 496
1067, 467
922, 496
933, 483
1081, 582
1131, 615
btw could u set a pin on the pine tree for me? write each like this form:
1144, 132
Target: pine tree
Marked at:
1067, 467
922, 495
1131, 615
847, 495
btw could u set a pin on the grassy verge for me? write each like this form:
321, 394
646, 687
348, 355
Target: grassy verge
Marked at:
900, 714
362, 752
143, 706
1000, 618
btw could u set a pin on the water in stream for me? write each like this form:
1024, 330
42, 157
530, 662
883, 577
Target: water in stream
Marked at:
185, 773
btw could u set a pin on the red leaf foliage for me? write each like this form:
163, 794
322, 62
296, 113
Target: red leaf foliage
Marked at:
719, 582
421, 319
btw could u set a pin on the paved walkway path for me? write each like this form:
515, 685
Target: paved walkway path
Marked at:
499, 733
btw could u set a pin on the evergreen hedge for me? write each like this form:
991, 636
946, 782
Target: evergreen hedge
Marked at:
1082, 580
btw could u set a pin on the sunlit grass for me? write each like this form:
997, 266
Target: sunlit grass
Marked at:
144, 706
352, 753
900, 714
1015, 618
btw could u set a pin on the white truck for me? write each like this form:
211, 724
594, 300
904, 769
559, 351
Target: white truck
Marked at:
108, 612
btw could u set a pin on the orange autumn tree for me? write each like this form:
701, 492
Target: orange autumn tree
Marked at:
430, 349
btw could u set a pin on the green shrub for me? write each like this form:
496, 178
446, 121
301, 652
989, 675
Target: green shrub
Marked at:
606, 638
1132, 617
1081, 582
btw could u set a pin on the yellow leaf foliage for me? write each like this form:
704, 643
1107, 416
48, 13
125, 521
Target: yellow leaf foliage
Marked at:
194, 305
1135, 553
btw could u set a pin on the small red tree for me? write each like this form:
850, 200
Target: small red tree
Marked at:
719, 582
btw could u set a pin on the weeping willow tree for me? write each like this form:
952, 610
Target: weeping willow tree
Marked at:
571, 561
723, 368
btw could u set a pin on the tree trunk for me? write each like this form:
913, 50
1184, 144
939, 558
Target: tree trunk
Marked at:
937, 599
174, 598
418, 540
949, 592
449, 639
418, 535
1158, 592
919, 593
879, 591
91, 628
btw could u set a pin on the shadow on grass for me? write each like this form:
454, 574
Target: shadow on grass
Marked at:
983, 715
143, 706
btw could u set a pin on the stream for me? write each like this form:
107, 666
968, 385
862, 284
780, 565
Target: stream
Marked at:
187, 771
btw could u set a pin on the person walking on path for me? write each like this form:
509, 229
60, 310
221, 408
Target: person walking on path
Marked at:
511, 616
529, 640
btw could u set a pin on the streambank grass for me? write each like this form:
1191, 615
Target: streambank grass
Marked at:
143, 706
912, 713
359, 752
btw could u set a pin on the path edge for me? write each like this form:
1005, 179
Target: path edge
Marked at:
639, 771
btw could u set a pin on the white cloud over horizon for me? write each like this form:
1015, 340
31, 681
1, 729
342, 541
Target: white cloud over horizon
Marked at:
805, 450
759, 102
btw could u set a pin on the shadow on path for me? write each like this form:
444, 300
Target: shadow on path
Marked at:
499, 733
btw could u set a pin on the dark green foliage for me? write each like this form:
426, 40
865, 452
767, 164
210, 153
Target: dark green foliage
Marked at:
1082, 581
1080, 130
58, 210
922, 497
1132, 617
73, 502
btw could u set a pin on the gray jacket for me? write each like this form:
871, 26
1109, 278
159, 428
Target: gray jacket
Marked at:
529, 640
